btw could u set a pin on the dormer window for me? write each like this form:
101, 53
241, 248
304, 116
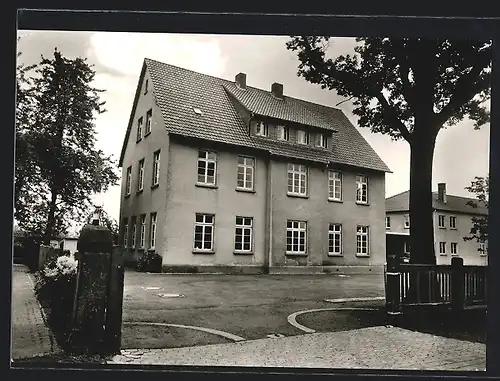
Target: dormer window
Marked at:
302, 137
322, 140
283, 132
261, 129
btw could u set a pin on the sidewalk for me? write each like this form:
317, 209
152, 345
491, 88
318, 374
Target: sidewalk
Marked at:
30, 335
367, 348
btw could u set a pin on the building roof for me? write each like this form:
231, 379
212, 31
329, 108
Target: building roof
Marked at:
400, 203
179, 91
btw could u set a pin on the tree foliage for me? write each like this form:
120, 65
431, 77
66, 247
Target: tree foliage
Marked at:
68, 167
407, 89
480, 188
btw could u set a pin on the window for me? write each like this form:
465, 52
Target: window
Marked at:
441, 221
453, 222
322, 140
283, 132
261, 129
243, 234
362, 240
362, 189
335, 239
407, 221
152, 231
454, 248
388, 222
296, 237
302, 137
297, 179
335, 185
442, 248
125, 232
156, 168
146, 85
245, 172
482, 249
134, 231
142, 235
139, 128
406, 247
207, 164
128, 183
140, 185
149, 117
204, 232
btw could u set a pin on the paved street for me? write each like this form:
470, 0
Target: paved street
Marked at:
165, 311
30, 335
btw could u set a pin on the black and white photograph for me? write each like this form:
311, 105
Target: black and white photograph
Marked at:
251, 201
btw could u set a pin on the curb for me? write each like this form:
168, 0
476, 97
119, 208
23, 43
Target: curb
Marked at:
366, 299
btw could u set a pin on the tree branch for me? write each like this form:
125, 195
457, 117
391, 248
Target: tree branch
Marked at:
392, 117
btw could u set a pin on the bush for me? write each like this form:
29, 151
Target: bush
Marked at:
150, 261
55, 289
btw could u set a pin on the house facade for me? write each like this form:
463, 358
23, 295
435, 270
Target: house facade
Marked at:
221, 176
452, 216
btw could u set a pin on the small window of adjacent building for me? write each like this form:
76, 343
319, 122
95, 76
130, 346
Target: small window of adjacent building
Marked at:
207, 167
453, 222
407, 221
149, 121
128, 184
335, 239
454, 248
388, 222
283, 132
302, 137
322, 140
146, 85
142, 232
297, 179
140, 177
362, 189
246, 169
139, 128
156, 168
441, 218
204, 232
442, 248
152, 231
362, 241
483, 251
296, 234
335, 185
134, 231
125, 232
261, 129
243, 236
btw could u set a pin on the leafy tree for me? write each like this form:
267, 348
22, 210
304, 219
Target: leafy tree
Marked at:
480, 187
408, 89
63, 136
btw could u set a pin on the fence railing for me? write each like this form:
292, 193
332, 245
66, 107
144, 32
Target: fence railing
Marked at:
412, 285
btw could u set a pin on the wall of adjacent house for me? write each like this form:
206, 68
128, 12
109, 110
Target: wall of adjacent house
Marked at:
150, 199
318, 212
70, 244
468, 250
185, 199
398, 222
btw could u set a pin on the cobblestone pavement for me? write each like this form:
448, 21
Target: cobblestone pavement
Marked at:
366, 348
30, 335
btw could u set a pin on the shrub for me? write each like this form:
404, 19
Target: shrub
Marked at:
150, 261
55, 289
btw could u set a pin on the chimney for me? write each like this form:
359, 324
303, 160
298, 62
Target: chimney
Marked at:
277, 90
241, 80
442, 192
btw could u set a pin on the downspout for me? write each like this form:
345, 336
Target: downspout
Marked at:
270, 213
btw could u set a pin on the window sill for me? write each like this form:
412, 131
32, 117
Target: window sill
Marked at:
292, 254
387, 228
237, 252
407, 227
453, 229
127, 195
149, 133
195, 251
363, 255
483, 255
335, 255
202, 185
335, 200
138, 140
443, 255
154, 186
297, 195
245, 190
362, 203
442, 227
139, 191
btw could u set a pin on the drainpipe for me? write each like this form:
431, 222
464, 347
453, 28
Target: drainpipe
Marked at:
270, 213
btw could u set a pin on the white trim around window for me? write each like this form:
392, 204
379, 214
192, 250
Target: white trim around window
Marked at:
483, 249
454, 248
406, 221
125, 232
296, 237
261, 128
362, 189
387, 222
140, 123
128, 181
442, 248
152, 230
149, 122
297, 179
207, 168
302, 137
142, 233
204, 233
156, 168
362, 241
134, 232
334, 185
453, 222
322, 140
243, 235
246, 173
140, 180
282, 132
335, 240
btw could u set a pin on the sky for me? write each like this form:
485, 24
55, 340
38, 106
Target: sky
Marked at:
461, 152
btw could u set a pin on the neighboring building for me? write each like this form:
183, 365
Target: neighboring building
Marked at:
452, 218
65, 243
221, 176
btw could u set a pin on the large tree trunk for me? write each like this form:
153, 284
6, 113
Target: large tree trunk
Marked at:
51, 221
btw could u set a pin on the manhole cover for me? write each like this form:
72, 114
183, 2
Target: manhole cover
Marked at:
151, 288
170, 295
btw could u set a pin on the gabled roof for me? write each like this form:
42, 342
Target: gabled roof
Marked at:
178, 91
400, 203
